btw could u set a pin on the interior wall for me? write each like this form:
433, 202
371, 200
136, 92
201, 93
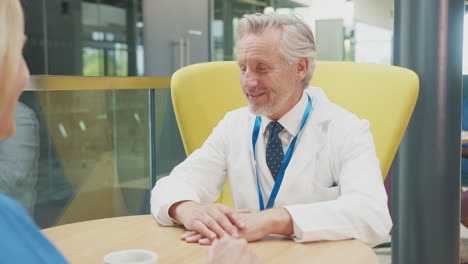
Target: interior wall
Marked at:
375, 12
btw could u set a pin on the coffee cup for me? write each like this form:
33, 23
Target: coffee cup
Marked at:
131, 256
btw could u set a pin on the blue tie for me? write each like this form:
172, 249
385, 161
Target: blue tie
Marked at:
274, 148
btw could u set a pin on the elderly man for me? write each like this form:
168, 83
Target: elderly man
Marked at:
298, 164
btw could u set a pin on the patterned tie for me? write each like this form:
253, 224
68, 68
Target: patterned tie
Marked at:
274, 148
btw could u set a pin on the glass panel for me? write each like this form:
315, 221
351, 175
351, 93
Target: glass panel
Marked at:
92, 62
94, 154
226, 14
343, 29
97, 37
105, 29
169, 148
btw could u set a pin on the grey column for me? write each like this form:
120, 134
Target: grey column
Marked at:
132, 36
228, 37
426, 189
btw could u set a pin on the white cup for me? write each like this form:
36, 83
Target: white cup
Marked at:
131, 256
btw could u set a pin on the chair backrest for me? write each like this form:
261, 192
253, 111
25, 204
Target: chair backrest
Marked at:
385, 95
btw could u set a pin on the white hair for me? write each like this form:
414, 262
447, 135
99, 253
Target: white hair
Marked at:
11, 43
297, 40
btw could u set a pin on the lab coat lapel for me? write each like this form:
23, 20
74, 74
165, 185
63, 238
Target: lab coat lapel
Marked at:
308, 147
310, 143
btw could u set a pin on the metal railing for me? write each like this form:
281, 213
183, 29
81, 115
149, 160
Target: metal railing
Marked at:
67, 83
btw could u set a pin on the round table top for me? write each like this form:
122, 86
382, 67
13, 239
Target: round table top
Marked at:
88, 242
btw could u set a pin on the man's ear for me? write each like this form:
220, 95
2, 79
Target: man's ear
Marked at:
302, 68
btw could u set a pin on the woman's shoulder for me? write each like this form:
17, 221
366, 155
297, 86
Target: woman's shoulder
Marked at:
13, 215
22, 239
9, 205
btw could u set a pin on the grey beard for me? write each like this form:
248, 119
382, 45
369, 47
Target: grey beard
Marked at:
261, 111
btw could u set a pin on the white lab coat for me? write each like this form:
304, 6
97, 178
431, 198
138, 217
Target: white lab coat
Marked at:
332, 187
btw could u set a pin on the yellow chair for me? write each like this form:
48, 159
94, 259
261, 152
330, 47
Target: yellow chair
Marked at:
384, 95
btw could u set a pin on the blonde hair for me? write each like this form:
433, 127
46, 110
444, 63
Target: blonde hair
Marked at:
297, 40
11, 44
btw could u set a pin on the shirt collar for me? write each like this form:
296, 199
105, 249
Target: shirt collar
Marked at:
291, 121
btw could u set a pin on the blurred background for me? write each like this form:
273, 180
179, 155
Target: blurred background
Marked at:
98, 152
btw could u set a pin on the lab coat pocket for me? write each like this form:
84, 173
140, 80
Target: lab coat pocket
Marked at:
325, 193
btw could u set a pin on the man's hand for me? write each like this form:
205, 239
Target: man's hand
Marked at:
229, 250
257, 226
207, 221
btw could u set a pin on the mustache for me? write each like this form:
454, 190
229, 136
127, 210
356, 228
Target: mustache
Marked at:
256, 90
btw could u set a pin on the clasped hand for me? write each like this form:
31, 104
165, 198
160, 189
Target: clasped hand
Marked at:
211, 221
228, 250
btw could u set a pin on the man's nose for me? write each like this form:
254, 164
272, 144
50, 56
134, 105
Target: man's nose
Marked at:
249, 81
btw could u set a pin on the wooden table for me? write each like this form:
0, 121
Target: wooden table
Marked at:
88, 242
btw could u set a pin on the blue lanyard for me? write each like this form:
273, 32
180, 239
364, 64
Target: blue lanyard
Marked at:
284, 164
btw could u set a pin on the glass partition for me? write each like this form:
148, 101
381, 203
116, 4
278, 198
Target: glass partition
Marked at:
89, 153
98, 37
344, 30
